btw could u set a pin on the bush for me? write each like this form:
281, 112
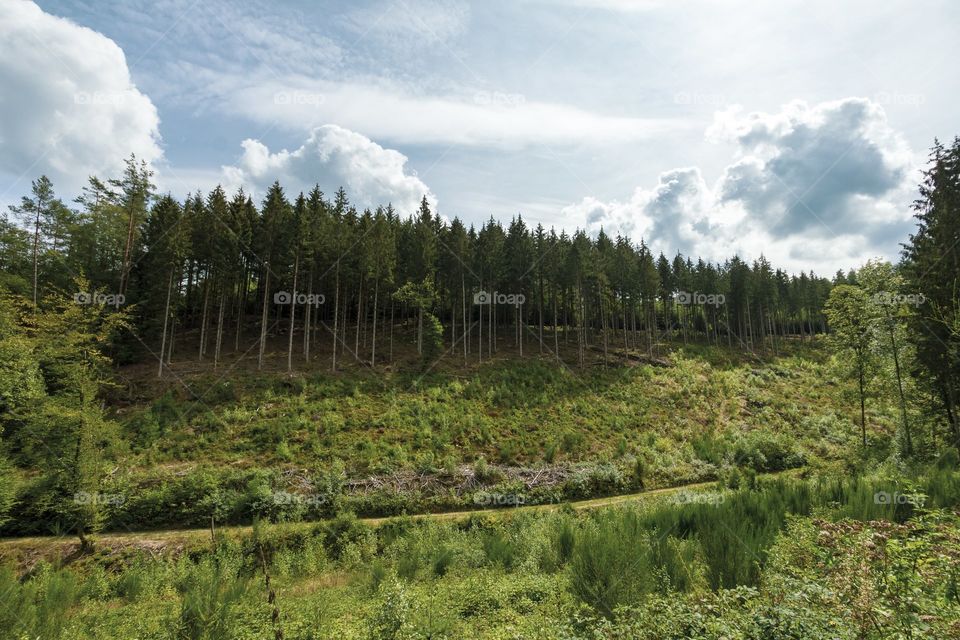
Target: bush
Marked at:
38, 607
611, 565
765, 452
209, 597
342, 532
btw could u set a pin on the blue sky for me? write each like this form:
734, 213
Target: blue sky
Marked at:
790, 128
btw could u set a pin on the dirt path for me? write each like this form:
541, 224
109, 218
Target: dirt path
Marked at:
27, 550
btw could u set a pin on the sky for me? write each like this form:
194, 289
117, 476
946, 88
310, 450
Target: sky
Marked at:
796, 130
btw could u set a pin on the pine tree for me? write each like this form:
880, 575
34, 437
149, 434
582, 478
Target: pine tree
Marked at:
272, 237
43, 213
932, 270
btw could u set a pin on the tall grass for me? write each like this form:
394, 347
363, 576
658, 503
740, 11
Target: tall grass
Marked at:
618, 558
211, 593
727, 539
37, 608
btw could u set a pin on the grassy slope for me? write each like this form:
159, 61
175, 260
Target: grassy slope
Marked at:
529, 412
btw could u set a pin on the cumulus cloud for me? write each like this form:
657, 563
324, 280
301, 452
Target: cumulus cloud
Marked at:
813, 186
825, 168
69, 107
331, 157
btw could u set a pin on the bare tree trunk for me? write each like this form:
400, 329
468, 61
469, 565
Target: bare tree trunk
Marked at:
480, 340
36, 255
356, 340
293, 312
494, 327
556, 329
420, 330
173, 324
863, 410
373, 343
264, 316
903, 400
336, 313
623, 301
308, 318
125, 270
166, 318
203, 316
540, 307
241, 305
520, 328
216, 350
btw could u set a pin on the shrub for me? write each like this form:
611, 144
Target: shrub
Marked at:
499, 549
341, 532
38, 607
611, 565
392, 614
764, 452
209, 597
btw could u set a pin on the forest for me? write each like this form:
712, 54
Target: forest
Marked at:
228, 417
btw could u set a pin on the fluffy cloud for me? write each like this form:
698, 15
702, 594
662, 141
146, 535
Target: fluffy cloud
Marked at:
825, 168
333, 156
817, 186
68, 107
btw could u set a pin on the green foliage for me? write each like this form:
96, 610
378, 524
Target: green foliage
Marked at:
432, 339
211, 593
8, 489
611, 565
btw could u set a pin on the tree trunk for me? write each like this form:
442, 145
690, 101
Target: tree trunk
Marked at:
308, 318
293, 312
166, 318
903, 400
216, 350
125, 269
356, 340
36, 254
480, 339
373, 342
863, 410
263, 317
556, 332
336, 313
203, 315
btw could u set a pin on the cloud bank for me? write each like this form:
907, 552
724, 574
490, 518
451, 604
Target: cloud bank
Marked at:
827, 184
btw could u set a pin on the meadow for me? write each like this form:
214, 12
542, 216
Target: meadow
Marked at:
778, 559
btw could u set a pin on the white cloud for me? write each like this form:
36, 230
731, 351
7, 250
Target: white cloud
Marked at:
477, 117
68, 108
331, 157
813, 187
828, 168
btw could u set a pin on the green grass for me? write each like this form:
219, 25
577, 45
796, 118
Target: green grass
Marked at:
794, 565
229, 448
